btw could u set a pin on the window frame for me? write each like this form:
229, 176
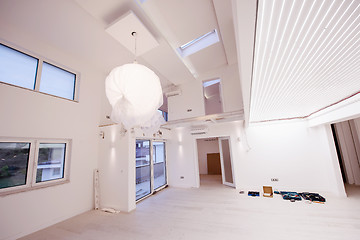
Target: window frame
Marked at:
65, 167
63, 69
27, 184
28, 55
37, 80
31, 183
152, 178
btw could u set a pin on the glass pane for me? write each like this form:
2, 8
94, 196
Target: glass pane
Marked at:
14, 159
51, 161
17, 68
56, 81
159, 164
143, 171
225, 147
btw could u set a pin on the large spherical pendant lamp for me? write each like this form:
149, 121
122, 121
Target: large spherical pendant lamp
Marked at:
135, 94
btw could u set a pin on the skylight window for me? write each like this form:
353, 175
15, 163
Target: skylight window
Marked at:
199, 43
211, 82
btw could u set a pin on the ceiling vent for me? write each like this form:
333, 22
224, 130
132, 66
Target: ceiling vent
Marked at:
199, 130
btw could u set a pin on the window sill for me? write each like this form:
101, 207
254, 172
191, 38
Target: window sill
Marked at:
5, 192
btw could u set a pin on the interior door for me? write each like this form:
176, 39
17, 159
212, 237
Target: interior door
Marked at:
213, 163
226, 161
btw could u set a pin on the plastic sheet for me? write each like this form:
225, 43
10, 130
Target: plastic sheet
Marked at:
135, 94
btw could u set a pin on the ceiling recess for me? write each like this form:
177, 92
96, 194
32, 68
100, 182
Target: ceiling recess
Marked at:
122, 28
307, 57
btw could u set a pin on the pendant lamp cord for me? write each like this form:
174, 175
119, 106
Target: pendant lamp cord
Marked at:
134, 34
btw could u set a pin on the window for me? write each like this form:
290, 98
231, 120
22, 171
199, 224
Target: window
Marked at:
17, 68
50, 164
57, 81
199, 43
20, 69
14, 162
17, 156
164, 114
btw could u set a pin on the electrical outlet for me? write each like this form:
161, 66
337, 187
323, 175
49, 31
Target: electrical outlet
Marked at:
274, 179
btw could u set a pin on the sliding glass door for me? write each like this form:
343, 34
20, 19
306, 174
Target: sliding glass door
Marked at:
150, 167
159, 164
143, 170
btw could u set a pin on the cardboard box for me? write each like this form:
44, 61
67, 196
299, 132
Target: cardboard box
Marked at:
268, 192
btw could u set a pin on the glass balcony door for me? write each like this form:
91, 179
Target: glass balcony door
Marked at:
143, 168
159, 164
150, 167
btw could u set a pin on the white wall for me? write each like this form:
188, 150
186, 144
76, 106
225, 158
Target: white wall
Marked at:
343, 111
230, 86
204, 147
244, 26
29, 114
302, 158
117, 166
182, 153
191, 97
117, 169
189, 104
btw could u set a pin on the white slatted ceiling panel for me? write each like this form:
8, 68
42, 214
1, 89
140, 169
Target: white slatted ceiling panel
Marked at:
307, 57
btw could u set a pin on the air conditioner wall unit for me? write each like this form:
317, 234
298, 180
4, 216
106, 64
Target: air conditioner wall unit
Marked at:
198, 130
173, 93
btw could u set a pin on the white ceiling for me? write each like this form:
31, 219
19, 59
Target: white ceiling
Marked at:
174, 23
307, 57
307, 53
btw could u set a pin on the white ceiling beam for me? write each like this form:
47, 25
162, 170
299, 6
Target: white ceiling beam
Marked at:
244, 15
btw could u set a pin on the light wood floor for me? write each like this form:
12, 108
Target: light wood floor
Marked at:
215, 211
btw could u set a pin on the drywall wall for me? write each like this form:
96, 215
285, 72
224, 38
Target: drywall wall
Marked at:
117, 169
26, 113
117, 165
205, 146
189, 103
230, 89
302, 158
343, 111
183, 165
245, 26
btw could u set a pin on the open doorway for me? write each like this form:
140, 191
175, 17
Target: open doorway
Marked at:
347, 142
215, 163
209, 161
212, 96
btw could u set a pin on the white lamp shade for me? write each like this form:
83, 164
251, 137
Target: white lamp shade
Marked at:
135, 94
